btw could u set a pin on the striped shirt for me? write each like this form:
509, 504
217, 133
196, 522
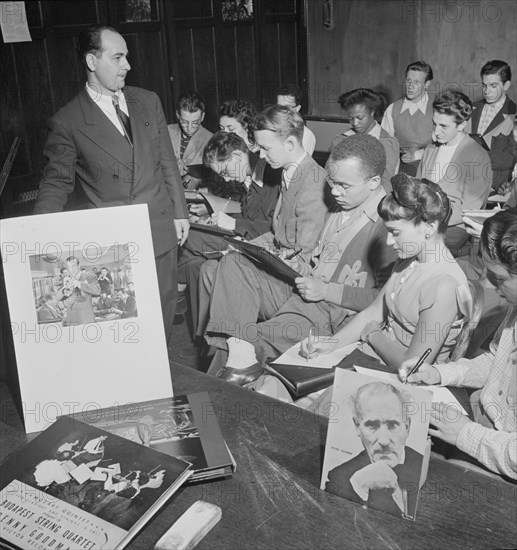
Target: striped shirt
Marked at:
495, 371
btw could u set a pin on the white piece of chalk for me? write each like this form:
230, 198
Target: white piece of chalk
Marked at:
191, 527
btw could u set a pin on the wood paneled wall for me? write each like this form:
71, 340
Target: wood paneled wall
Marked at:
373, 41
245, 60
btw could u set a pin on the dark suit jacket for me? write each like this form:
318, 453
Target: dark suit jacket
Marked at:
408, 475
502, 147
84, 146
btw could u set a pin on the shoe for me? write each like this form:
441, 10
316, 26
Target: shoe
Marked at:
240, 377
181, 304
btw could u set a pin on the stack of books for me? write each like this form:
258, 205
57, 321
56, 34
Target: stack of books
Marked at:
93, 480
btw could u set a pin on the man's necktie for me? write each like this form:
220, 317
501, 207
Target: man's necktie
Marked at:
124, 119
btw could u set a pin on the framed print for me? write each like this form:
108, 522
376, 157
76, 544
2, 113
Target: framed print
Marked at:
85, 311
236, 10
139, 11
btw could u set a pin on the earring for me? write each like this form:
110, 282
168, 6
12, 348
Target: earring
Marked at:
427, 235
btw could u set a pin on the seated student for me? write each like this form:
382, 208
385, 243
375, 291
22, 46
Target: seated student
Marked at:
492, 437
492, 118
410, 119
290, 95
237, 116
297, 221
345, 272
456, 163
189, 137
228, 156
360, 107
426, 300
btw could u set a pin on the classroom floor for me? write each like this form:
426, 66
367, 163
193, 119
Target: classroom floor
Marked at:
183, 350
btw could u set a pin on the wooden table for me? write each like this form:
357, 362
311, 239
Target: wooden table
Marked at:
274, 502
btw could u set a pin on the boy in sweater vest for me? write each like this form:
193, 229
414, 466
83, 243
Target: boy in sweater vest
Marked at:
410, 119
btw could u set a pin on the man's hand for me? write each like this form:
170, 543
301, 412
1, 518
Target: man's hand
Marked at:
311, 289
223, 220
198, 209
182, 229
448, 421
427, 374
412, 154
378, 475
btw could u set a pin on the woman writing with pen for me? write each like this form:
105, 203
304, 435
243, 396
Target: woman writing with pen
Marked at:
426, 300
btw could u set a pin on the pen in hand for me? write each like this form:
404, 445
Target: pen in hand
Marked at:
291, 256
226, 204
418, 364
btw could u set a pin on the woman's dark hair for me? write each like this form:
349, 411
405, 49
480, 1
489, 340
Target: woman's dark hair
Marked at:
454, 104
373, 101
416, 201
499, 239
243, 111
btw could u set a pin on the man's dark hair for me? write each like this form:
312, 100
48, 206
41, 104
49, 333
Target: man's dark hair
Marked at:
497, 67
421, 66
454, 104
291, 90
221, 146
367, 149
190, 102
90, 41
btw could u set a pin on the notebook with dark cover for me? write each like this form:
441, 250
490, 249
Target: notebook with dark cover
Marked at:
76, 486
301, 381
264, 259
184, 426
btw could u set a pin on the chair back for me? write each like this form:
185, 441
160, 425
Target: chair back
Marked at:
463, 341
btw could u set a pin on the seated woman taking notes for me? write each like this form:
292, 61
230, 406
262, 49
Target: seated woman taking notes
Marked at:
492, 437
426, 300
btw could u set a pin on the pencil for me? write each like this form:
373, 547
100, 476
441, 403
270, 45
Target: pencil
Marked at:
291, 256
225, 205
419, 363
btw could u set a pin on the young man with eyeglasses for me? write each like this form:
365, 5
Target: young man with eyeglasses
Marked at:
410, 119
189, 137
344, 273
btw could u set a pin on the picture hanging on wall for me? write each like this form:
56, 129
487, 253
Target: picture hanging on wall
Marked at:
237, 10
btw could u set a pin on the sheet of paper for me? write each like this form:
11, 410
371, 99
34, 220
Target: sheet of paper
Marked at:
13, 22
323, 361
440, 394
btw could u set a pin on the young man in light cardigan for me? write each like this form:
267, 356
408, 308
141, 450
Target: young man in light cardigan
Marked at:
342, 276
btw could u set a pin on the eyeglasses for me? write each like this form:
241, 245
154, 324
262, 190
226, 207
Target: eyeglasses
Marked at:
343, 186
193, 123
415, 82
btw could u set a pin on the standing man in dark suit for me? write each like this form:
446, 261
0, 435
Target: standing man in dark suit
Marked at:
113, 141
492, 120
386, 475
